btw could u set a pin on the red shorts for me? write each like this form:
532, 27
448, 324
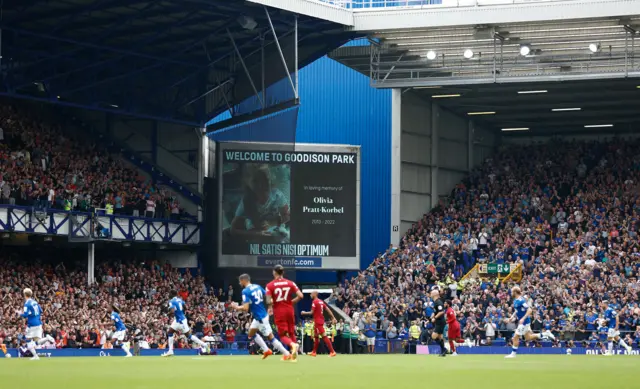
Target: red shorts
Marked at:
286, 325
454, 331
319, 329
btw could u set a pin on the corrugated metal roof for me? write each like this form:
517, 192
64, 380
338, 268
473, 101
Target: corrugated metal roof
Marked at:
339, 106
276, 127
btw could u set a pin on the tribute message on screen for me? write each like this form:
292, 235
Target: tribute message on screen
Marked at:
289, 203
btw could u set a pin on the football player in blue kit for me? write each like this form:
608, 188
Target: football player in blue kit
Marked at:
611, 316
119, 335
522, 313
253, 302
181, 325
32, 311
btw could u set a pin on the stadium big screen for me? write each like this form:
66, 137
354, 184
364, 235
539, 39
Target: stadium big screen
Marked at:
294, 205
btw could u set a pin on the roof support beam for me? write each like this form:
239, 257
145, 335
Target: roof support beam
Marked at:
144, 69
71, 17
110, 61
108, 30
215, 88
210, 64
101, 109
95, 46
246, 70
22, 11
284, 61
47, 13
316, 9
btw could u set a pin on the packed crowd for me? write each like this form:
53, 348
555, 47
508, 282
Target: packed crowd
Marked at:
76, 315
568, 212
43, 167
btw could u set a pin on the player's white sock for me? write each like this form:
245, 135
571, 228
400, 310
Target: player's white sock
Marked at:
125, 347
623, 343
45, 340
170, 343
197, 341
610, 347
548, 334
260, 342
31, 346
276, 343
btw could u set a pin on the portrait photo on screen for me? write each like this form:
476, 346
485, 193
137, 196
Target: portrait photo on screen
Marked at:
255, 205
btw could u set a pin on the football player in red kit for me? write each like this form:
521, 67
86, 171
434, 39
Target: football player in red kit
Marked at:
453, 334
318, 308
281, 295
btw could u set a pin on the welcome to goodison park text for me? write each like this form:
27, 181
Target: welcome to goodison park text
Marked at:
282, 157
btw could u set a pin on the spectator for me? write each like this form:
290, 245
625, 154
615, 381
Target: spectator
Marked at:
43, 165
74, 314
575, 236
392, 331
150, 209
369, 331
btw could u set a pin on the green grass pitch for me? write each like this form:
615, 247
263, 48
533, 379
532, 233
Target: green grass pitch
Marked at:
355, 371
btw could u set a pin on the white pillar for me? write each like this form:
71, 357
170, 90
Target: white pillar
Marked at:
396, 163
435, 130
203, 165
91, 263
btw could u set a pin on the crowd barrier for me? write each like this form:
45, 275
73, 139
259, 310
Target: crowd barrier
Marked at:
50, 353
364, 5
85, 226
398, 346
382, 347
491, 350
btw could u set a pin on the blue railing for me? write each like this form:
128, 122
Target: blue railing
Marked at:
85, 226
382, 347
97, 352
364, 4
404, 346
374, 4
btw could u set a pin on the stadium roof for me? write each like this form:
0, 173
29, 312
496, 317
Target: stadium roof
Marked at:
587, 69
172, 60
545, 108
480, 54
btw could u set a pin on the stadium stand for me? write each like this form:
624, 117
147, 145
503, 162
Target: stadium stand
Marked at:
45, 167
566, 211
77, 315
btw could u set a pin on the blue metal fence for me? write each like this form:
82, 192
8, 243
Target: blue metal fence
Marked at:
363, 4
382, 346
80, 226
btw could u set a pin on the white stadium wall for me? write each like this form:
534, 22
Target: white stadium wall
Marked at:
415, 161
484, 143
433, 150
